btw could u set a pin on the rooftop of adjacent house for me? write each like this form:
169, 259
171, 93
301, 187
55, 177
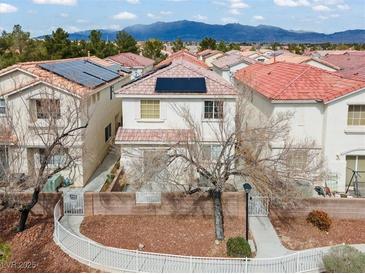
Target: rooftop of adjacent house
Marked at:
182, 55
227, 61
351, 64
149, 136
180, 69
77, 75
131, 60
287, 81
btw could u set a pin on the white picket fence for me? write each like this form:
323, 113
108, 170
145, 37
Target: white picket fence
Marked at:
122, 260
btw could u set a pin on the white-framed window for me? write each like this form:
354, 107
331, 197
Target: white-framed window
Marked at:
150, 109
108, 132
356, 115
213, 109
56, 160
211, 152
48, 108
2, 106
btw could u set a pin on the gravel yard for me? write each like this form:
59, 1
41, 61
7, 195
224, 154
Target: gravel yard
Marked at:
34, 250
180, 235
297, 234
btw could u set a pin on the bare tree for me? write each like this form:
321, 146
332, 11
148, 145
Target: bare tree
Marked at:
53, 123
246, 146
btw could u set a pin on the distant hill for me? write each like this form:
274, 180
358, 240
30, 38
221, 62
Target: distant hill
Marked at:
193, 31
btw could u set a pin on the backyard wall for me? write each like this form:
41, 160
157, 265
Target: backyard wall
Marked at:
344, 208
46, 202
123, 203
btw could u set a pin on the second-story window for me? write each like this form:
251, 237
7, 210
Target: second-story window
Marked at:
356, 115
150, 109
213, 109
111, 92
2, 106
48, 108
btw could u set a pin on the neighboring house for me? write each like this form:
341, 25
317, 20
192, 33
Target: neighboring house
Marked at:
227, 65
26, 89
137, 64
182, 55
208, 56
328, 109
151, 120
301, 59
351, 64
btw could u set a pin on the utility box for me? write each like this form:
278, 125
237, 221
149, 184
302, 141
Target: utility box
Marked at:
53, 183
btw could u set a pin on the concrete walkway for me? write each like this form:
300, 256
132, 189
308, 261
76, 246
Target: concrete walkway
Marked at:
98, 178
267, 241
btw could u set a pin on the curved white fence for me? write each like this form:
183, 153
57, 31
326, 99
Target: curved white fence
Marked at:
115, 259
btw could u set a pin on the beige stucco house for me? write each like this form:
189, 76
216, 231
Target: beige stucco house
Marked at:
82, 86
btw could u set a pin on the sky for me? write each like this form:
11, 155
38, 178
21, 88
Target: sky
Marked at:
42, 16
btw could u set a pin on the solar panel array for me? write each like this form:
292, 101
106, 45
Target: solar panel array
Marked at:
82, 72
181, 85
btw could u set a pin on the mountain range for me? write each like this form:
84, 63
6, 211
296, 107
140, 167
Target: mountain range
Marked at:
195, 31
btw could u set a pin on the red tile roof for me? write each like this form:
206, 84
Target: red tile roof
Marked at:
352, 64
131, 60
125, 135
215, 84
287, 81
184, 55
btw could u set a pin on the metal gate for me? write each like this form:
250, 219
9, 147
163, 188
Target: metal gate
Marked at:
258, 206
73, 202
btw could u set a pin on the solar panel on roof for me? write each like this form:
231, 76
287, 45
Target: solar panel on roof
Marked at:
181, 85
82, 72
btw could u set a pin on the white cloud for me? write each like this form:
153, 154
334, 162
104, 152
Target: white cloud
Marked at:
124, 15
343, 7
7, 8
151, 15
219, 3
115, 27
165, 12
258, 17
321, 8
292, 3
234, 11
32, 12
227, 20
238, 4
323, 17
200, 17
56, 2
81, 21
132, 1
64, 15
72, 29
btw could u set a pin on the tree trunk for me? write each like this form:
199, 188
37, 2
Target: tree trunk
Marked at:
218, 215
25, 210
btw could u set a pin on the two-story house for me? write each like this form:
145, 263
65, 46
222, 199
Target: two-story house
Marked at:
228, 64
328, 109
30, 92
150, 105
137, 64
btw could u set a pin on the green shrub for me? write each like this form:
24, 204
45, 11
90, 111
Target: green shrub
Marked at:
4, 252
344, 259
319, 219
238, 247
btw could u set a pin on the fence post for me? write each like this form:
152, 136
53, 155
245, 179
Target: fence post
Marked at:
298, 266
246, 265
137, 266
191, 264
89, 252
